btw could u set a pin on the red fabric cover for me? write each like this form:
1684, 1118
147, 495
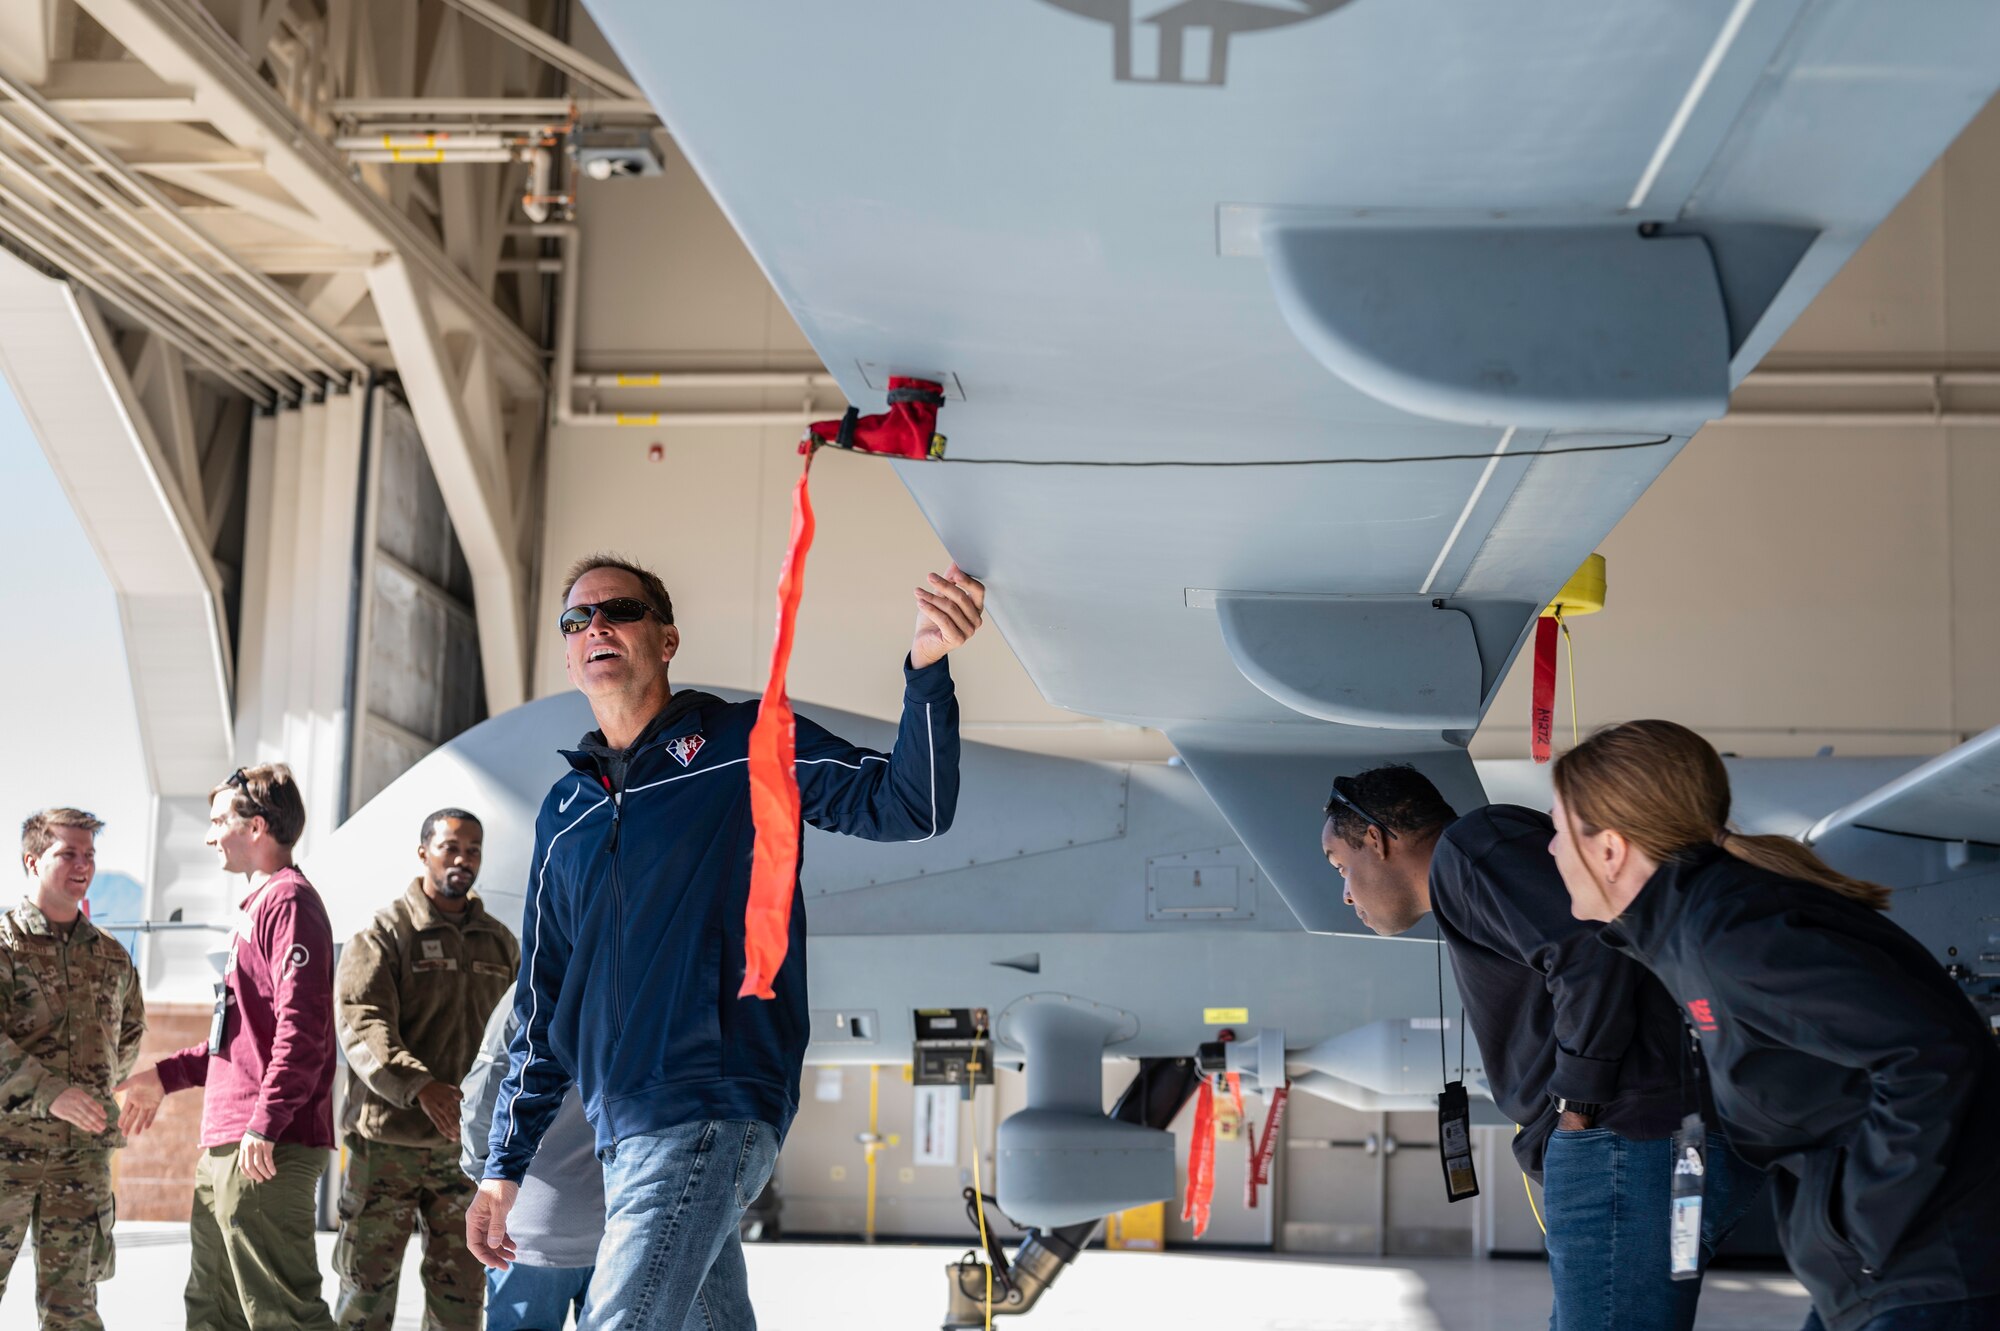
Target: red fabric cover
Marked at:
1266, 1147
905, 430
774, 780
1542, 706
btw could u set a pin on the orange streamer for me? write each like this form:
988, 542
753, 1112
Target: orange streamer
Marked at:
774, 778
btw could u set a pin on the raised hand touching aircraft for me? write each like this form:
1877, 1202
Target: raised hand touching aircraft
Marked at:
949, 611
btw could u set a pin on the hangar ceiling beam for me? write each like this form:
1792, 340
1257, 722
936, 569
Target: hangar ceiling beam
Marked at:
148, 219
490, 108
183, 46
472, 375
103, 280
459, 416
558, 53
120, 90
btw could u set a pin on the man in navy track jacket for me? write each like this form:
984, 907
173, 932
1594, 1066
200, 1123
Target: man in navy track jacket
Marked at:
632, 943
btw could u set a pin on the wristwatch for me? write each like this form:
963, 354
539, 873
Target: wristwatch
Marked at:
1584, 1107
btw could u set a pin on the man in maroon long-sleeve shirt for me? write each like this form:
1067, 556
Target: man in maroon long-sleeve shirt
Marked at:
267, 1120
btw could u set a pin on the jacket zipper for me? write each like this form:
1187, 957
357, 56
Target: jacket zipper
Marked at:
618, 906
618, 928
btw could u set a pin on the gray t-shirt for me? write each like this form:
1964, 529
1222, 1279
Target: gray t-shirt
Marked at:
558, 1219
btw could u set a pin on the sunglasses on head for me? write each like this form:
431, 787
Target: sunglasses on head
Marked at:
250, 806
1341, 798
617, 610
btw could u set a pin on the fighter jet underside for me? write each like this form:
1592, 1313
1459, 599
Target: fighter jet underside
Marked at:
1400, 307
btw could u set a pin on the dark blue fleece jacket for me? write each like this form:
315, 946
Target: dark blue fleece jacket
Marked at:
632, 939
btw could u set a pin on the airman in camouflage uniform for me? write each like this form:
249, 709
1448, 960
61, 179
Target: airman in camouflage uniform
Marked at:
412, 997
70, 1021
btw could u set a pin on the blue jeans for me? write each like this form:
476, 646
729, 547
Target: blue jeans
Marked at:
671, 1259
535, 1298
1966, 1315
1608, 1204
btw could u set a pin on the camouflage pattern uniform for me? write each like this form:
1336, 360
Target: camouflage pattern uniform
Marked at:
70, 1015
411, 999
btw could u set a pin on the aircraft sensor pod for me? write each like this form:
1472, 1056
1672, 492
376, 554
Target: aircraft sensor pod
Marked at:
1062, 1161
1587, 326
1384, 662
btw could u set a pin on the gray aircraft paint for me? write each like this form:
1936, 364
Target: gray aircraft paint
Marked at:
1400, 243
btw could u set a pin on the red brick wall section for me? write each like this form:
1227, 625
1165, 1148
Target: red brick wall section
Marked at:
155, 1173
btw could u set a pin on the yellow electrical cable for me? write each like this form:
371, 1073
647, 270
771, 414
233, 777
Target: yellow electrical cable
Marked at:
978, 1189
1569, 652
1533, 1209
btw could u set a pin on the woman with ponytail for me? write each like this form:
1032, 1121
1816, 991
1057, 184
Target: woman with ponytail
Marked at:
1841, 1057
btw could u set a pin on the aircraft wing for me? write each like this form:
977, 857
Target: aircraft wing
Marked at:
1298, 351
1953, 797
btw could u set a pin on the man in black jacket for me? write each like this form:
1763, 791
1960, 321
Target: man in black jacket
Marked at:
1582, 1049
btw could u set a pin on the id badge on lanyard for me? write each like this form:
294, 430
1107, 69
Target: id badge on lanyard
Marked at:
218, 1023
1454, 1109
1455, 1143
1690, 1174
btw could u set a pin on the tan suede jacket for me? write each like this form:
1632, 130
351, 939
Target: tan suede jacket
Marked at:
411, 999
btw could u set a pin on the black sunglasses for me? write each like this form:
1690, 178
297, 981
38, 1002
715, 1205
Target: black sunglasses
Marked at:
255, 808
619, 610
1341, 798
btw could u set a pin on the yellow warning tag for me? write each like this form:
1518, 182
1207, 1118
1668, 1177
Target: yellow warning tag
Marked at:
1224, 1016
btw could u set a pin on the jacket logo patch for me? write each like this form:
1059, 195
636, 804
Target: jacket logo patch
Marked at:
1704, 1016
685, 748
574, 792
433, 949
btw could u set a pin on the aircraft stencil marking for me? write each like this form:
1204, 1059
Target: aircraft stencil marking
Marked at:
1211, 22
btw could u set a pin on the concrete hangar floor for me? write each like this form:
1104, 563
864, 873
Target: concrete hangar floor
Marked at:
893, 1287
